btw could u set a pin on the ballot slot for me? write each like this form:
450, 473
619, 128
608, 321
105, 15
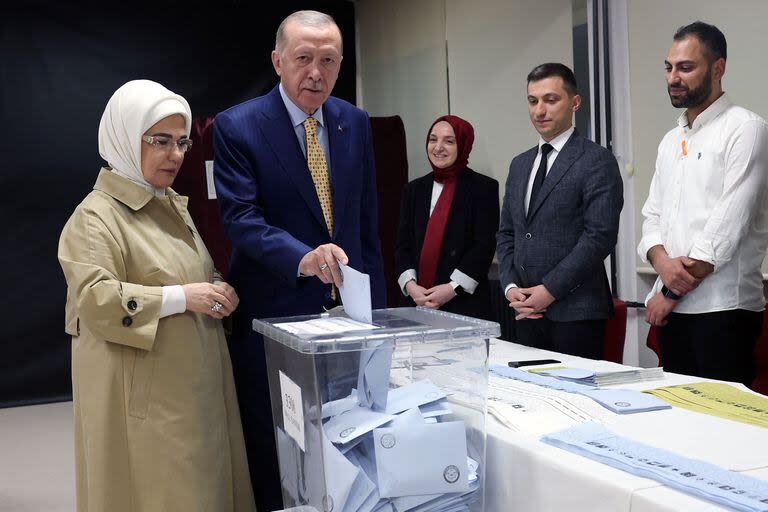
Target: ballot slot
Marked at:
392, 416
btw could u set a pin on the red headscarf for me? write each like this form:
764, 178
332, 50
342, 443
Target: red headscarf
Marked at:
465, 136
433, 239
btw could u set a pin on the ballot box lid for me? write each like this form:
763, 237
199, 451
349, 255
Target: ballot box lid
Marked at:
335, 332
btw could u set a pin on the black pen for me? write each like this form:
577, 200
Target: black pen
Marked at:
531, 362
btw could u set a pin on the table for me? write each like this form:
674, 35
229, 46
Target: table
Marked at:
524, 474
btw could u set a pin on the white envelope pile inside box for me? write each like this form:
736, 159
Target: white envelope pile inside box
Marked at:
389, 420
403, 458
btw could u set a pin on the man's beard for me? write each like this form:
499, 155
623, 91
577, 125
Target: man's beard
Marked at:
694, 97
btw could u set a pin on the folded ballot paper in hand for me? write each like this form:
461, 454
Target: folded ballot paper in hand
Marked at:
603, 378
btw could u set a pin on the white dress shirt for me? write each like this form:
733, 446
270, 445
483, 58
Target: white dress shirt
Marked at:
457, 276
708, 201
557, 145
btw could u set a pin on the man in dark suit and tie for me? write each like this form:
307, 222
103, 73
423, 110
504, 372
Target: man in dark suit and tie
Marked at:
296, 185
559, 222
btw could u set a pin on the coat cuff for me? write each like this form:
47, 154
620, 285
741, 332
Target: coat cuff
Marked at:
141, 314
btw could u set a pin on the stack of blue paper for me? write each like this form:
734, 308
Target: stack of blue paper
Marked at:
402, 458
621, 401
702, 479
606, 378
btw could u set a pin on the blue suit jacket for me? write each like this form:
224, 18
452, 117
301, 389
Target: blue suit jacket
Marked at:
571, 228
270, 210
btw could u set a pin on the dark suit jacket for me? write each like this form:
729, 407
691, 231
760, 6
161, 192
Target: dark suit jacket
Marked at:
572, 228
468, 243
271, 213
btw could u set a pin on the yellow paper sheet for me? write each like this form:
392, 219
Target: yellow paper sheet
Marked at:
717, 399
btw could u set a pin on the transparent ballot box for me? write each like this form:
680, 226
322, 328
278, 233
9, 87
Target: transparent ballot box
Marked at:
384, 416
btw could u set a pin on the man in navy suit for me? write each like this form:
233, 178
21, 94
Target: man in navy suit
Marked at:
559, 221
295, 180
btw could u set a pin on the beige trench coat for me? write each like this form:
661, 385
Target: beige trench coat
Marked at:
157, 426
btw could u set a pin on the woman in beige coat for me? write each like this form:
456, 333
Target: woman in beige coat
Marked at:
157, 426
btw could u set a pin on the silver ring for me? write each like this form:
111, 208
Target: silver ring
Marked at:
323, 267
216, 307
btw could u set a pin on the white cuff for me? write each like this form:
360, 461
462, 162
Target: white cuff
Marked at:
703, 250
649, 240
467, 283
174, 301
510, 285
406, 276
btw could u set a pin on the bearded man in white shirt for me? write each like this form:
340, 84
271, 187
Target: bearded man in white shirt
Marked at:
706, 218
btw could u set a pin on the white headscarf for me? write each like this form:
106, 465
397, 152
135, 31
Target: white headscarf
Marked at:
131, 111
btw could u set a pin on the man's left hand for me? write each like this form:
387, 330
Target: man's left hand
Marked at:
538, 300
658, 308
439, 295
697, 268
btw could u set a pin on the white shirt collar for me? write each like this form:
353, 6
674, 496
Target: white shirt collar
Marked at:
719, 106
297, 115
558, 142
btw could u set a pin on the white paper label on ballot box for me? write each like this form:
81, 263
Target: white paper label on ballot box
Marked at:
293, 412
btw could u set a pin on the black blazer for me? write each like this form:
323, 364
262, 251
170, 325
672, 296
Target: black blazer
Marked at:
468, 243
571, 229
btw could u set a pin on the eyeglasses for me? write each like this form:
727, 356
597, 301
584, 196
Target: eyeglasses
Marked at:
166, 143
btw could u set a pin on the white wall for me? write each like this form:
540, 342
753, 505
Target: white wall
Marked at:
402, 66
491, 47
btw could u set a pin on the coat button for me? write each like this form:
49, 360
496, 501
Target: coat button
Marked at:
528, 236
127, 321
132, 305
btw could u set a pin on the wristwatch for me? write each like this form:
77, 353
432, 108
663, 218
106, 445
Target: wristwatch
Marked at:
669, 293
456, 287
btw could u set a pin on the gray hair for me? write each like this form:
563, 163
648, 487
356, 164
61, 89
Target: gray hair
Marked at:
305, 19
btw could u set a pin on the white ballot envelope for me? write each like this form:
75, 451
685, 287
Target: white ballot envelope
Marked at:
421, 459
407, 419
342, 405
412, 395
356, 294
354, 423
434, 409
331, 492
289, 463
373, 377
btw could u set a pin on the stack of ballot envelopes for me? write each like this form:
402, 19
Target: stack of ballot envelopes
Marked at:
603, 378
393, 454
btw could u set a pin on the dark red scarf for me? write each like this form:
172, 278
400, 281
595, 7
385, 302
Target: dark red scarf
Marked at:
433, 239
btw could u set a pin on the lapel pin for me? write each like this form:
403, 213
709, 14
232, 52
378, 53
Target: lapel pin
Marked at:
341, 130
699, 158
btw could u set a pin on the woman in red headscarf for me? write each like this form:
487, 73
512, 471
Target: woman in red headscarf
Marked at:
448, 224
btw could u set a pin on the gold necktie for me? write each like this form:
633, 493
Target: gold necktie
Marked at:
318, 167
319, 170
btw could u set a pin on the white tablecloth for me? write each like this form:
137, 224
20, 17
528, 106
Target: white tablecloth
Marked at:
526, 475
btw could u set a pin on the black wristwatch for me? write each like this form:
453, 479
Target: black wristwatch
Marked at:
669, 293
456, 287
